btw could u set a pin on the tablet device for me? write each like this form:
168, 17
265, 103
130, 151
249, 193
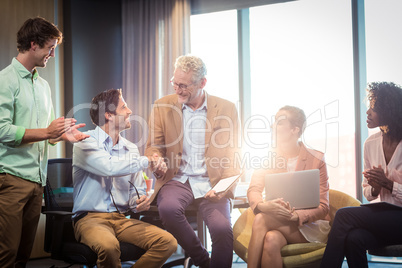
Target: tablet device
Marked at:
300, 188
225, 184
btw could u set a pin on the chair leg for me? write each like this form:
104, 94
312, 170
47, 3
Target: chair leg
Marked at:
187, 262
173, 263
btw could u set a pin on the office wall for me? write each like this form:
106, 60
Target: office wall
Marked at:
93, 54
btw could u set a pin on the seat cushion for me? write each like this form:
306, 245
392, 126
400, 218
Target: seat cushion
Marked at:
300, 248
389, 251
130, 252
302, 255
75, 252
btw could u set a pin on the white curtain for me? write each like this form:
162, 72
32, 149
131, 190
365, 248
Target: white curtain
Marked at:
155, 33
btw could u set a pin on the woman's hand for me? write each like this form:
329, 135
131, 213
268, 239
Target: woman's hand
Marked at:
277, 208
377, 179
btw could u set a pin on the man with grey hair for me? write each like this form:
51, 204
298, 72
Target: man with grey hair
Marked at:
197, 134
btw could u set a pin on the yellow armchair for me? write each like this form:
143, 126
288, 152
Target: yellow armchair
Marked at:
294, 255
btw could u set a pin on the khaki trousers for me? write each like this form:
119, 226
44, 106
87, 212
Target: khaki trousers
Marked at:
103, 231
20, 208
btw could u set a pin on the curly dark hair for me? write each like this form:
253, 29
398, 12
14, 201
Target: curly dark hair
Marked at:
106, 101
386, 100
39, 31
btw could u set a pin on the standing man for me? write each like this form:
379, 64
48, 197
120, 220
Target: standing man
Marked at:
27, 125
197, 134
107, 168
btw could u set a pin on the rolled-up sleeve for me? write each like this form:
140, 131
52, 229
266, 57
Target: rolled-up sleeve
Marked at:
10, 134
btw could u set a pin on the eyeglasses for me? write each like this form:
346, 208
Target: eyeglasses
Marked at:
181, 86
114, 203
132, 184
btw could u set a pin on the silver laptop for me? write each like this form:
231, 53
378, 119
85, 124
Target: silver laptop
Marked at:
300, 188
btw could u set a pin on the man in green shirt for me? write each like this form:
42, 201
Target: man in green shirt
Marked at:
27, 125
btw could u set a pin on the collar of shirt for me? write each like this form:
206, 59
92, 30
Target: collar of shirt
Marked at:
22, 71
203, 106
104, 138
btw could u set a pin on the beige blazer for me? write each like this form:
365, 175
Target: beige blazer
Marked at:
308, 159
222, 134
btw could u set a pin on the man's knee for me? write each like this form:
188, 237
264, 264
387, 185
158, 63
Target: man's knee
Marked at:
221, 232
170, 243
110, 249
170, 214
106, 245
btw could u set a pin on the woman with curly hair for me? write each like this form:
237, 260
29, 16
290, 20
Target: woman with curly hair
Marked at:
357, 229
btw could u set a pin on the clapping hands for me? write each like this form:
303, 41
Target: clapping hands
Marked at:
377, 179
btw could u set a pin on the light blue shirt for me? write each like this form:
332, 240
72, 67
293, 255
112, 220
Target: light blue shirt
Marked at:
99, 168
192, 166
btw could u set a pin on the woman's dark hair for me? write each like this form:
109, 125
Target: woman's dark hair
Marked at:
297, 118
107, 101
386, 100
39, 31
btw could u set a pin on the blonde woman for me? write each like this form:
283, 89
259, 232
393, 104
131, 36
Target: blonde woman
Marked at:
276, 223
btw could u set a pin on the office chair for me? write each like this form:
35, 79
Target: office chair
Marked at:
59, 234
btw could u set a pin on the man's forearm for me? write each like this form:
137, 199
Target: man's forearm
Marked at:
35, 135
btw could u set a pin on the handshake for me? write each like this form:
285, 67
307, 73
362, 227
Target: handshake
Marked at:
157, 165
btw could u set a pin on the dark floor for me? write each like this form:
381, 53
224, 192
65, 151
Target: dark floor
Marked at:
48, 263
237, 263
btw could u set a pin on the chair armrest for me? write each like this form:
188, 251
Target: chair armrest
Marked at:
58, 213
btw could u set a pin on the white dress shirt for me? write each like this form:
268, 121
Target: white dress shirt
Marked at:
374, 156
192, 166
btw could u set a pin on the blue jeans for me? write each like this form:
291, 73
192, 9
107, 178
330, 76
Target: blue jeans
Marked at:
357, 229
173, 199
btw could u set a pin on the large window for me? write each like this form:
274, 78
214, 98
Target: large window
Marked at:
383, 41
214, 39
301, 55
